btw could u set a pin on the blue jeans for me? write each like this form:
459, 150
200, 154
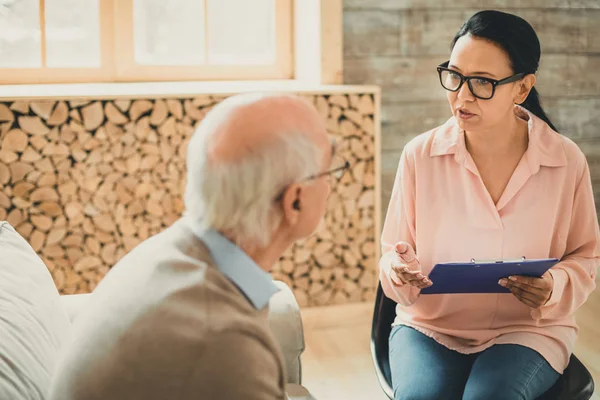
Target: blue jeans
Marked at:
424, 369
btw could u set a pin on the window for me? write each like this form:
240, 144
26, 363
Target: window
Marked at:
52, 41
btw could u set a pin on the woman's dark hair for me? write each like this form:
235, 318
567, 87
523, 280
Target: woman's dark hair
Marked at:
518, 39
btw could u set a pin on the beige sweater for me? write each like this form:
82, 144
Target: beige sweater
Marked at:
165, 323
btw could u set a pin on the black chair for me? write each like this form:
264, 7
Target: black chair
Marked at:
575, 384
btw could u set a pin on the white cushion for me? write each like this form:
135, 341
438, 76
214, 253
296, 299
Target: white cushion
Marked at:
33, 324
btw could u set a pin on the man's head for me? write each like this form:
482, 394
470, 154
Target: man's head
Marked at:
247, 165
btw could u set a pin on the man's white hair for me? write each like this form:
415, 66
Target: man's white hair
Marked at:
239, 197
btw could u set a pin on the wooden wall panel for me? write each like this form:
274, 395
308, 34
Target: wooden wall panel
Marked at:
398, 43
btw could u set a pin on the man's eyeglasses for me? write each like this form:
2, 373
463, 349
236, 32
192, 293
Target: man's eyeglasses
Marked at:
337, 172
481, 87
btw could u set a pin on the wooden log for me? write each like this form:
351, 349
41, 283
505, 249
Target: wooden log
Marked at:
104, 223
123, 104
20, 106
175, 108
114, 115
8, 157
327, 260
75, 115
24, 229
73, 210
354, 100
339, 100
41, 222
51, 209
43, 108
73, 240
105, 237
18, 170
90, 211
348, 129
87, 262
62, 163
44, 194
4, 174
322, 106
108, 253
92, 246
15, 140
367, 199
21, 203
36, 240
33, 125
203, 101
130, 242
6, 114
368, 126
159, 113
55, 236
359, 149
302, 283
15, 217
30, 155
78, 103
139, 108
93, 116
59, 115
286, 265
366, 106
168, 128
22, 189
4, 200
33, 176
193, 112
367, 279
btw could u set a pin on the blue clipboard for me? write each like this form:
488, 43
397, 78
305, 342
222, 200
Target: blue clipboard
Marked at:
482, 276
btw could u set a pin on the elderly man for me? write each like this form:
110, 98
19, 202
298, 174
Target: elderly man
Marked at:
183, 316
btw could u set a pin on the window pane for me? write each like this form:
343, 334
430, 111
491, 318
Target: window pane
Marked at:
20, 34
241, 31
72, 33
169, 32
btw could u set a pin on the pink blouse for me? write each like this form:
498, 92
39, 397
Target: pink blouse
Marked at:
440, 206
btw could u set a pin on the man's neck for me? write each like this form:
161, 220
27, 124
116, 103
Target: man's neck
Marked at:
266, 257
499, 140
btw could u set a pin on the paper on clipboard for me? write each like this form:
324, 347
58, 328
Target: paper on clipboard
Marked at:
482, 276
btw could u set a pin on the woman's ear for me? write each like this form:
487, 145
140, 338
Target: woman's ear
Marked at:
524, 86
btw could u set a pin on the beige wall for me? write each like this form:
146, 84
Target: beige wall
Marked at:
398, 43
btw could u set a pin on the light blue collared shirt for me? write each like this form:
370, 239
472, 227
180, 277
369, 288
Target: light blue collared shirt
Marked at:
256, 284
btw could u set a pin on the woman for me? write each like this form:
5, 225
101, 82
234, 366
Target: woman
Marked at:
495, 182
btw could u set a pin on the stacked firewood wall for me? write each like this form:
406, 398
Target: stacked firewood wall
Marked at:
85, 181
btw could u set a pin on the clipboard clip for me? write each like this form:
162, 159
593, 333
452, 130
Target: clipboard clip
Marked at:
473, 261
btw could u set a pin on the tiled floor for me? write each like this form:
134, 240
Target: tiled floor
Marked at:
337, 362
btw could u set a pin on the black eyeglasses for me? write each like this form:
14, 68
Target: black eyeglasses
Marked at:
481, 87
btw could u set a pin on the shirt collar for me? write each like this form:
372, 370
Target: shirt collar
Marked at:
256, 284
545, 145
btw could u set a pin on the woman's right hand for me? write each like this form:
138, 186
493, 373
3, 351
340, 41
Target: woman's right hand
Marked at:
406, 269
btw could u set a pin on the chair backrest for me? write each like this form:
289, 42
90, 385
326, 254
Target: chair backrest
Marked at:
383, 317
576, 383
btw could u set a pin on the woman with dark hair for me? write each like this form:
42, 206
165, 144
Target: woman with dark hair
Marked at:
496, 181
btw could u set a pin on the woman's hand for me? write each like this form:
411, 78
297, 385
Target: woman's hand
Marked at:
406, 269
533, 292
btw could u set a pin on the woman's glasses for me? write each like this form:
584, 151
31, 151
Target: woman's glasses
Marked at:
481, 87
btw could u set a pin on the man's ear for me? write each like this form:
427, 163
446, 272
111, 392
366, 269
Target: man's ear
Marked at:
291, 203
524, 86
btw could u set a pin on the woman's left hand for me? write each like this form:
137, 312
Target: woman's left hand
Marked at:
533, 292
